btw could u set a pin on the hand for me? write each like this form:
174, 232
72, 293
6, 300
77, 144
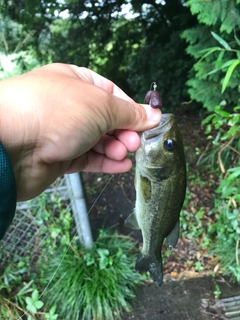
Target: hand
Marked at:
62, 119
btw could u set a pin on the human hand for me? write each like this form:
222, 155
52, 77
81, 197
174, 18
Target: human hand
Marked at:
62, 119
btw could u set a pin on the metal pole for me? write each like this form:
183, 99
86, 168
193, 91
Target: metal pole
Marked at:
79, 209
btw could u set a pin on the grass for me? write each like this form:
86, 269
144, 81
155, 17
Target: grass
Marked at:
96, 284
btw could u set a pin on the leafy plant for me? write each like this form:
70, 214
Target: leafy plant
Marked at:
198, 266
220, 64
20, 298
193, 225
33, 303
19, 287
12, 301
223, 129
53, 215
217, 292
214, 54
51, 315
95, 284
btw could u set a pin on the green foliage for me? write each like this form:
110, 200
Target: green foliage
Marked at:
95, 284
33, 302
16, 53
220, 64
76, 282
51, 315
192, 224
55, 219
217, 292
19, 297
223, 129
207, 75
85, 283
198, 266
226, 13
133, 51
225, 233
11, 35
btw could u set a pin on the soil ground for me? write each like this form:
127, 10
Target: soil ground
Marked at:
111, 199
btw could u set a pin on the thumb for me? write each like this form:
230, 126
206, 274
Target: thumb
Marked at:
132, 116
122, 112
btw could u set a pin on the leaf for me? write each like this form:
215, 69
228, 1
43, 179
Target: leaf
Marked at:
220, 56
237, 40
38, 304
221, 41
88, 257
235, 173
103, 263
236, 108
53, 310
236, 169
35, 295
230, 133
208, 128
224, 65
25, 289
228, 63
222, 113
228, 74
211, 50
28, 300
206, 120
103, 252
235, 120
31, 308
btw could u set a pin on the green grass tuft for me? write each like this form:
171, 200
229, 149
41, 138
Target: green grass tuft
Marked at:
95, 284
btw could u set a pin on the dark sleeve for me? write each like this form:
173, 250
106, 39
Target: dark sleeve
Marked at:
8, 192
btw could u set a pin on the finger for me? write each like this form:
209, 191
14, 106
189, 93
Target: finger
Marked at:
94, 162
100, 163
129, 138
112, 148
123, 115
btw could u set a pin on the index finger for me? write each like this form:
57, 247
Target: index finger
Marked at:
100, 81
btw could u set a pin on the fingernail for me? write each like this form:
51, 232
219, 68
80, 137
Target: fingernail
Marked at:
153, 115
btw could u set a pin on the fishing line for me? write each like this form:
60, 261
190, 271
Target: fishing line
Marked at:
65, 253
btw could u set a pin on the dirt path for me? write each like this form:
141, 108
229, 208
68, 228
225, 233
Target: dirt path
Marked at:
178, 300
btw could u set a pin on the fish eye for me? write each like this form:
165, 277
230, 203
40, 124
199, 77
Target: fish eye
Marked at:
168, 144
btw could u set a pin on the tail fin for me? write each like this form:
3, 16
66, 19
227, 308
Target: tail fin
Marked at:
151, 264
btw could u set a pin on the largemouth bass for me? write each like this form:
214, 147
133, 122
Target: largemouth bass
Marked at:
160, 184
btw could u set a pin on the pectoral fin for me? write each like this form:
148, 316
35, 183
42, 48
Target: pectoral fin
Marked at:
172, 238
131, 221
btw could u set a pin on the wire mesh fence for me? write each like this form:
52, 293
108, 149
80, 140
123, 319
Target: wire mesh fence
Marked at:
26, 236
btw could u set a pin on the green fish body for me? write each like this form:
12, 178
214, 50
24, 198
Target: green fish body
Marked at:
160, 184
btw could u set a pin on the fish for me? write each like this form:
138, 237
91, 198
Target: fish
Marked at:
160, 183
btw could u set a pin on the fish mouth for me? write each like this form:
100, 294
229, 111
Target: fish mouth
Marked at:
164, 125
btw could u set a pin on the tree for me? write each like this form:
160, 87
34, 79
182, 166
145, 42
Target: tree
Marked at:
132, 51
